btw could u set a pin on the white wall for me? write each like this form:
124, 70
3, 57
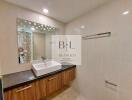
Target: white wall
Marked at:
8, 35
107, 58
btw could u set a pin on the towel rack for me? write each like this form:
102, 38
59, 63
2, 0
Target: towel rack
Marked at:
110, 83
98, 35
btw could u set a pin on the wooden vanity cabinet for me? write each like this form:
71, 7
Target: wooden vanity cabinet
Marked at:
8, 95
26, 92
41, 87
53, 83
68, 76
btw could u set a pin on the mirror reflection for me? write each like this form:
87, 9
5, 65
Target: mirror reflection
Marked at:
33, 41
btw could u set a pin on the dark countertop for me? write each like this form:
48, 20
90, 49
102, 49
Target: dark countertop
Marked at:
14, 80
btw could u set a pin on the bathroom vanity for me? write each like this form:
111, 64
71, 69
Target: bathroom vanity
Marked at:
26, 86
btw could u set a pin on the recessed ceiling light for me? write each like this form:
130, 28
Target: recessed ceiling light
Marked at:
40, 17
126, 12
46, 11
82, 27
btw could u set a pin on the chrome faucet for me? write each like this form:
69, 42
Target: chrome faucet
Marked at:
43, 58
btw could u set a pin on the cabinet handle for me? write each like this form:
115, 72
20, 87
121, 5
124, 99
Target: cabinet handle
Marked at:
110, 83
24, 88
52, 78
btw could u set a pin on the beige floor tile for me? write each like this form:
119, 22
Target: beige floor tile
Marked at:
66, 94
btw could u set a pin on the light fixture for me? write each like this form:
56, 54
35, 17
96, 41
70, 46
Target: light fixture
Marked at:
46, 11
40, 17
33, 29
126, 12
30, 23
54, 28
82, 27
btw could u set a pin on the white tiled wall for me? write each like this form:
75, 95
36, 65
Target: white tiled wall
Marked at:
107, 58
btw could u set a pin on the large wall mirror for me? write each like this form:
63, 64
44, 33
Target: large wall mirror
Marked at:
33, 40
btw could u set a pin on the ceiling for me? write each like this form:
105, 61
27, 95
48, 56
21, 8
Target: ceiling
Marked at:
62, 10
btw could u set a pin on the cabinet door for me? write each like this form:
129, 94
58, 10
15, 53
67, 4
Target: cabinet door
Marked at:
40, 89
54, 83
8, 95
68, 76
26, 92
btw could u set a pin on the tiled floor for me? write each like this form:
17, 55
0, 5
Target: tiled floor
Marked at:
66, 94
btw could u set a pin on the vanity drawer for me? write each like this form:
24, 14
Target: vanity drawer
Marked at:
54, 83
68, 76
26, 92
40, 89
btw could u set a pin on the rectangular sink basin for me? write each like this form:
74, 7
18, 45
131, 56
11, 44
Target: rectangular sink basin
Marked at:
45, 67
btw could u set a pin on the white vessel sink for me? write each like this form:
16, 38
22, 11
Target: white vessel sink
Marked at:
45, 67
